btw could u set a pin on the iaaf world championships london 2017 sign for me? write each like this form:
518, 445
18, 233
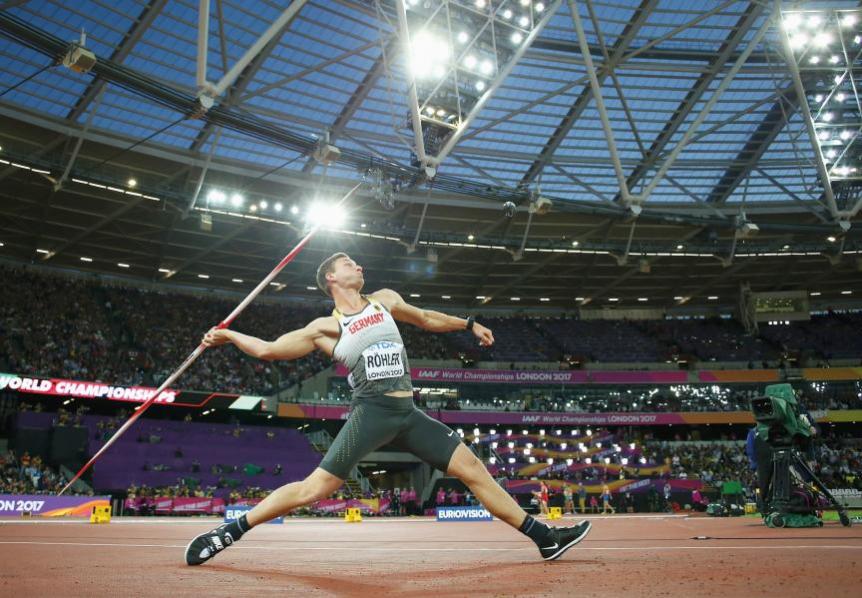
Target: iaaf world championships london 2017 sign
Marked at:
73, 388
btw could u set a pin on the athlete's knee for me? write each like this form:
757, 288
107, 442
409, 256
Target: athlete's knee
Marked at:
471, 470
319, 485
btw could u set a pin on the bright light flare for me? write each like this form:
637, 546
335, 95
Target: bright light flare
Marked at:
325, 215
428, 54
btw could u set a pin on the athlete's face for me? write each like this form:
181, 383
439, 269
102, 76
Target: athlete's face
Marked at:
348, 273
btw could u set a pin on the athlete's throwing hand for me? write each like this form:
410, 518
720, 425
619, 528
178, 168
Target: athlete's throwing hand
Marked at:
485, 336
216, 337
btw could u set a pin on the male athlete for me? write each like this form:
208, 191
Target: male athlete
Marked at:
361, 333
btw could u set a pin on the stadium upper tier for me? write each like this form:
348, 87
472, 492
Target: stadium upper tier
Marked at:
58, 326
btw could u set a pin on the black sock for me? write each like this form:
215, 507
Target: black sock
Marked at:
238, 527
537, 531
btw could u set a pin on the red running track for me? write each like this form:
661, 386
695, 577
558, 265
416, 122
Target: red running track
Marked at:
622, 556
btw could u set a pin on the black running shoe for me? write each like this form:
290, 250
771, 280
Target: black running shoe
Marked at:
563, 538
206, 546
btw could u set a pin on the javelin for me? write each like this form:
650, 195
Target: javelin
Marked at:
201, 347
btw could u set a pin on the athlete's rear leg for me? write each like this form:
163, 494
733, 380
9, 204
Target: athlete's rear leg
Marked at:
317, 486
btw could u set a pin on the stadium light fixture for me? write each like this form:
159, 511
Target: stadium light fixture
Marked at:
215, 197
204, 276
123, 265
132, 183
236, 280
86, 259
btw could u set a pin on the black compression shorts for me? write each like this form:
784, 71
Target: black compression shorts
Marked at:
381, 420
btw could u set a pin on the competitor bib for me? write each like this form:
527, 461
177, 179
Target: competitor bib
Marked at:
383, 360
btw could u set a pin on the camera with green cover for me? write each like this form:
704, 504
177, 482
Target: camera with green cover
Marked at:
779, 423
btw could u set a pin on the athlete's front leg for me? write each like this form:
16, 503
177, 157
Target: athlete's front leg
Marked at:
551, 541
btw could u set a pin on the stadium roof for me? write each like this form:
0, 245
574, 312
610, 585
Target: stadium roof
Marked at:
710, 74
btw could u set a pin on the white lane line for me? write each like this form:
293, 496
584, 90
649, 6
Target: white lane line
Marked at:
454, 549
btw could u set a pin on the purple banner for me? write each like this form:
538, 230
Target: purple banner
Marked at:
551, 418
41, 505
165, 505
505, 417
551, 377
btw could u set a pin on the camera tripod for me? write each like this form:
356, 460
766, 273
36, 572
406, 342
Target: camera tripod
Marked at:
778, 502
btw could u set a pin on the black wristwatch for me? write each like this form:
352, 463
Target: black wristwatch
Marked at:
470, 321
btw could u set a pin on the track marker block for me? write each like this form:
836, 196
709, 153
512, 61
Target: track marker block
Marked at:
101, 514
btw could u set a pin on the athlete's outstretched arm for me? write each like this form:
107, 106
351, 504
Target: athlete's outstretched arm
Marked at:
428, 319
292, 345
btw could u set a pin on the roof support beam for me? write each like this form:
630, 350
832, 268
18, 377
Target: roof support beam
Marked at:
707, 108
133, 35
359, 94
229, 78
738, 33
622, 43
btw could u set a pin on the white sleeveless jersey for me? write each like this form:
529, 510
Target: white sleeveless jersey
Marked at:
370, 345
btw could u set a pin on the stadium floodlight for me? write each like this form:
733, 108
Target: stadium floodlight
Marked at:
236, 200
132, 182
792, 21
821, 40
450, 40
215, 196
798, 41
323, 214
426, 52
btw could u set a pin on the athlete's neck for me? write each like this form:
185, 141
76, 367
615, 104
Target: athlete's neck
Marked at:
348, 301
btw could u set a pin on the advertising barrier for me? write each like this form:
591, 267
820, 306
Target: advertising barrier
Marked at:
166, 505
42, 505
463, 514
234, 512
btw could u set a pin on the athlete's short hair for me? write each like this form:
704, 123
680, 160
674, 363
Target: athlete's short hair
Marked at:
325, 267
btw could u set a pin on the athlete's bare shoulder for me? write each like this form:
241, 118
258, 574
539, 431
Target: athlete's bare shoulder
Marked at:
327, 325
387, 297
